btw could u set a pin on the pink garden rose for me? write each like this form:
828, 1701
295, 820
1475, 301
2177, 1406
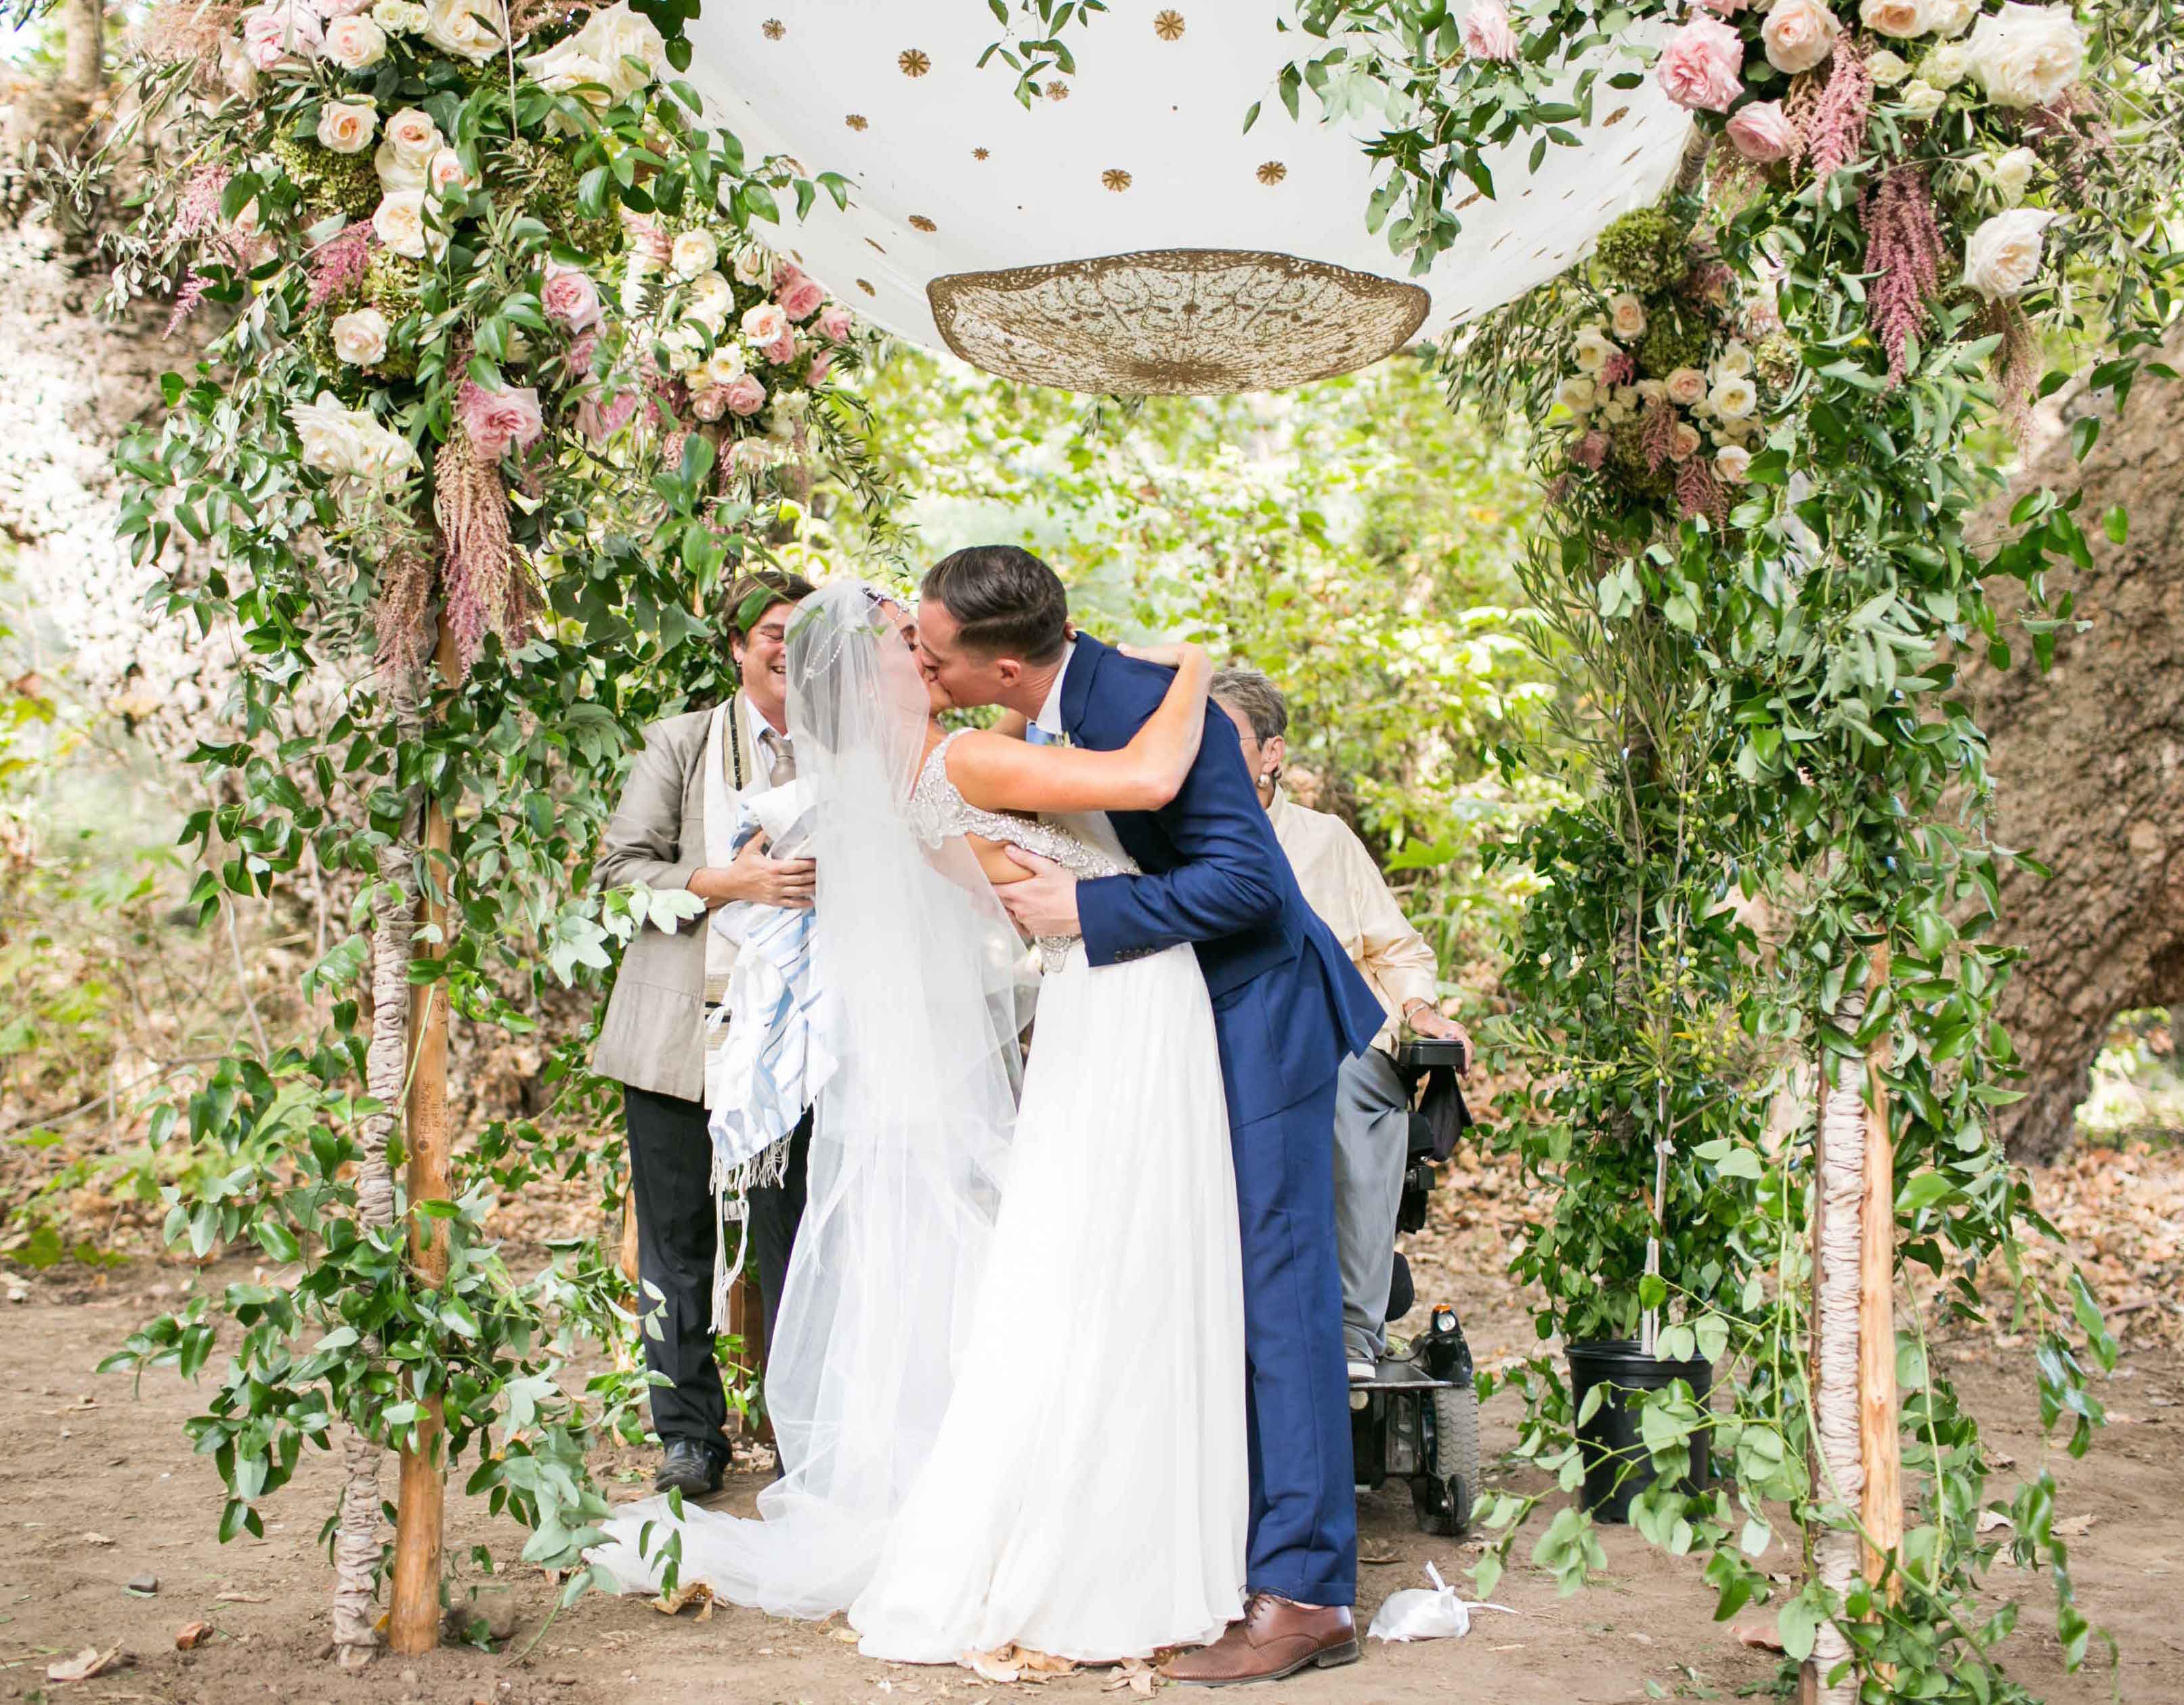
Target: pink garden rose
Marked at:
281, 31
765, 323
710, 405
834, 322
497, 419
568, 294
745, 396
1762, 132
1703, 65
600, 421
331, 9
800, 300
783, 349
1726, 9
1488, 33
821, 365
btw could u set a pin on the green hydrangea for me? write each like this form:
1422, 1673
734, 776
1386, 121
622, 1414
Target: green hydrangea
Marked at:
1671, 341
390, 284
1626, 461
1644, 251
330, 183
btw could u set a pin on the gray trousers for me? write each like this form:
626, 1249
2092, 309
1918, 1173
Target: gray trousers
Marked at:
1372, 1138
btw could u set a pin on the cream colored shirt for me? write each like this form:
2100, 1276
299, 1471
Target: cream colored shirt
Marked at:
1344, 887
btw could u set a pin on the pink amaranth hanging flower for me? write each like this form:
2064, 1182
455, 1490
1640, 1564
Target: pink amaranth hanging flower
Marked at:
1836, 136
1620, 370
197, 211
1698, 493
1657, 438
337, 264
185, 301
1903, 251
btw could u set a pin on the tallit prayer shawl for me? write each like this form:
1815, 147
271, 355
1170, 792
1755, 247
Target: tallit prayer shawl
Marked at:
766, 1050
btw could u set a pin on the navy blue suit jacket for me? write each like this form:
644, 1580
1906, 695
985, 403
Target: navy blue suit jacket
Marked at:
1288, 1004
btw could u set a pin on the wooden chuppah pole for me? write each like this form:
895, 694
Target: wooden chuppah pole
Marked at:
412, 1623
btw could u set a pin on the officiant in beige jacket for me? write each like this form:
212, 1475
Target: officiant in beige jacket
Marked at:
652, 1039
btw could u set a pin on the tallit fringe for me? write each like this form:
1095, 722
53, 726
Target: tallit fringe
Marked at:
732, 1187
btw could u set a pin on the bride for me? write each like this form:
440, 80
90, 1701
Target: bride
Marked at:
1008, 1379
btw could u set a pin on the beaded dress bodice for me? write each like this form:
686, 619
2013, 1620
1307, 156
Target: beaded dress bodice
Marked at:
937, 809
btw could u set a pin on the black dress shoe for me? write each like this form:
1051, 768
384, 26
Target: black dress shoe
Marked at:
689, 1467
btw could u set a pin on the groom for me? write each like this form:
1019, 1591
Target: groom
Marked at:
1287, 1009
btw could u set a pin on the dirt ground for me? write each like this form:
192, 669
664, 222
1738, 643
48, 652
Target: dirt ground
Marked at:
103, 1489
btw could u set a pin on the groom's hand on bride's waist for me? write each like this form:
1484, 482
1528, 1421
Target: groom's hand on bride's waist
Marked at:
1045, 903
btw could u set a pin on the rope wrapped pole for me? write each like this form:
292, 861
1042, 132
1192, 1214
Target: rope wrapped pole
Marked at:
1879, 1444
420, 1507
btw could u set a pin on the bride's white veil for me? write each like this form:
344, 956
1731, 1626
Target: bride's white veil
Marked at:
923, 980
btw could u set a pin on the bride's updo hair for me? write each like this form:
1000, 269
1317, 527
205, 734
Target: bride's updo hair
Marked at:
1007, 602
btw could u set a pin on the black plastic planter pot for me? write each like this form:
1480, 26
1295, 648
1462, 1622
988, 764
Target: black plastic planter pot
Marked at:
1618, 1467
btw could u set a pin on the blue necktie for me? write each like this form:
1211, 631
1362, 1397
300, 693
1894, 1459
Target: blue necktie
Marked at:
1037, 736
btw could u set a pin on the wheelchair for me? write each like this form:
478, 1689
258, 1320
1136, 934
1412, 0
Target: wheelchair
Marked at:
1418, 1419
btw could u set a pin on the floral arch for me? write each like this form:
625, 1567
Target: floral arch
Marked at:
512, 381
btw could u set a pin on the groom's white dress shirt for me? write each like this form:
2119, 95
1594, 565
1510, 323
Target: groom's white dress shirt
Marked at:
1049, 719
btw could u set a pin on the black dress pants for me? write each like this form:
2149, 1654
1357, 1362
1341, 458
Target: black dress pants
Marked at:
670, 1160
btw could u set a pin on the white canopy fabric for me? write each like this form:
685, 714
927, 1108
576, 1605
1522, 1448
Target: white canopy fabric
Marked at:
1127, 234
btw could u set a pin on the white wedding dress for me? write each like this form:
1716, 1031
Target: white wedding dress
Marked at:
1087, 1495
1008, 1375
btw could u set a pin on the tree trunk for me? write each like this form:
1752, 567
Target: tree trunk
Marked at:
84, 69
2088, 765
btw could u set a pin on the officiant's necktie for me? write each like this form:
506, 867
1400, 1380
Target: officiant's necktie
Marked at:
784, 758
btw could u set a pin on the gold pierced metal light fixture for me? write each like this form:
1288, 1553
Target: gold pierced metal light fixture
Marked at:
1194, 321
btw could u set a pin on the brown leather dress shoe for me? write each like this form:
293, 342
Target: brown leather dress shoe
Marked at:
1276, 1638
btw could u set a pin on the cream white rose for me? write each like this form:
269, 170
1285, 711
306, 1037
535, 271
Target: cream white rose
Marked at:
1626, 316
360, 337
684, 348
1593, 349
640, 269
1577, 394
1949, 18
2011, 175
1947, 66
631, 51
751, 265
1683, 442
565, 67
2027, 55
399, 17
725, 365
382, 456
400, 223
1886, 70
1799, 34
1921, 100
1901, 19
708, 296
1733, 462
447, 171
2006, 253
413, 137
355, 43
1685, 386
1735, 359
461, 27
694, 252
328, 434
1734, 397
1652, 390
345, 126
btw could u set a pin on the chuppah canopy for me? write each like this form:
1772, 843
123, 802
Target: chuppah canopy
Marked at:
1126, 234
